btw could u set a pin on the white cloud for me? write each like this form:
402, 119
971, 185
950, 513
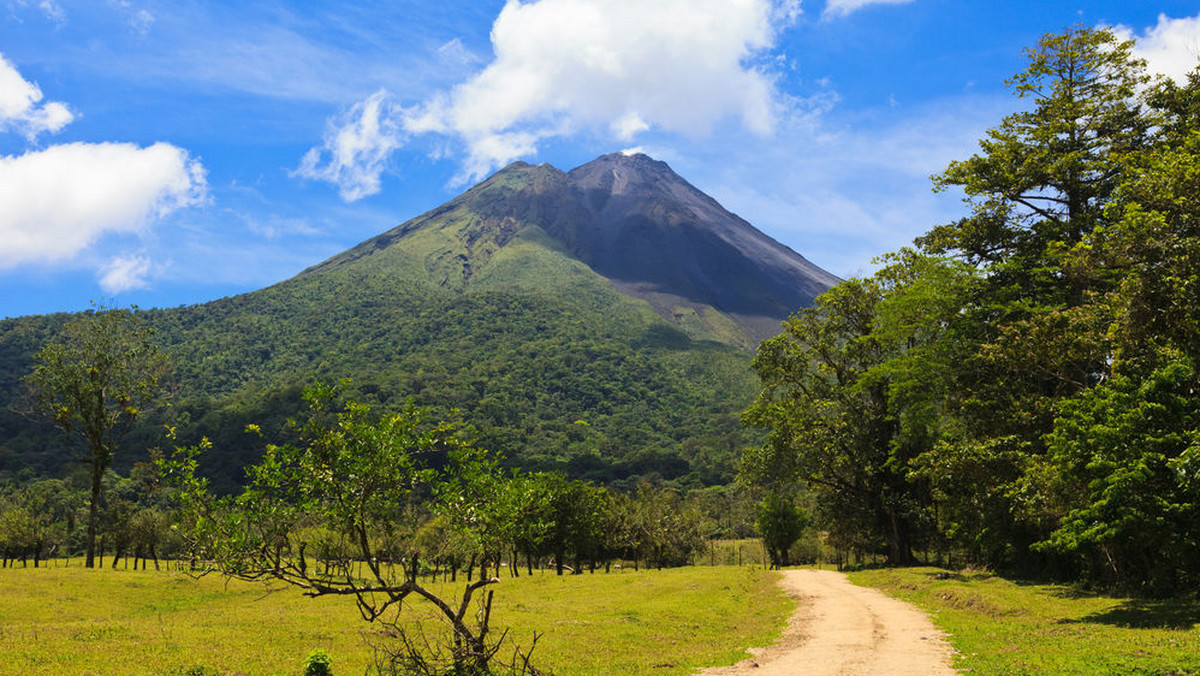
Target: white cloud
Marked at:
57, 201
19, 109
836, 8
614, 66
356, 148
617, 68
1172, 47
125, 273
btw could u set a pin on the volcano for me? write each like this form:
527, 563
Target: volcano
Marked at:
628, 218
598, 322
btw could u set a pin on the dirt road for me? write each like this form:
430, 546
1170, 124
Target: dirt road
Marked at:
844, 630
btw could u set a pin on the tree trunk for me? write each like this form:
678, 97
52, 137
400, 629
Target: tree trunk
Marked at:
93, 517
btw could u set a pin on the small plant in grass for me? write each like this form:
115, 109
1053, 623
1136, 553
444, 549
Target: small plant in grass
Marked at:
318, 663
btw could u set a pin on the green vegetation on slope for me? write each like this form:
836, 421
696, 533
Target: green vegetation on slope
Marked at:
1000, 626
552, 366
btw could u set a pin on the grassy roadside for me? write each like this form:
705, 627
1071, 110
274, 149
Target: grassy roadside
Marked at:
1004, 627
78, 621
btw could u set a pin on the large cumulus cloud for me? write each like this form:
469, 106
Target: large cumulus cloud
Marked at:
617, 68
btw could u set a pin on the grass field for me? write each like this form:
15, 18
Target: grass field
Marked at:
1004, 627
60, 620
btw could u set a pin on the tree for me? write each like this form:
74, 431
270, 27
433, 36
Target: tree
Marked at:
1035, 331
100, 376
1124, 465
361, 479
1026, 381
1122, 471
836, 422
780, 523
1153, 245
1046, 173
1038, 189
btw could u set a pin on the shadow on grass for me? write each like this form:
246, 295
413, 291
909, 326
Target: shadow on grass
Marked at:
1138, 614
1061, 591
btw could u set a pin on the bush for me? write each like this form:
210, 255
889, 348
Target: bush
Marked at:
318, 663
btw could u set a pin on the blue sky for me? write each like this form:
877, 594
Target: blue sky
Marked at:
167, 153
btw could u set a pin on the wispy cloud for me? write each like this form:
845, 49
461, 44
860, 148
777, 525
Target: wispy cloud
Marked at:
847, 190
356, 148
49, 8
274, 226
839, 8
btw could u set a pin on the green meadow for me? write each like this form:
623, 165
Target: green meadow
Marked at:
1001, 626
70, 620
60, 620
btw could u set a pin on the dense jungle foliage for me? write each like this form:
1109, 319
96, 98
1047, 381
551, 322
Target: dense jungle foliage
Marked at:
1020, 389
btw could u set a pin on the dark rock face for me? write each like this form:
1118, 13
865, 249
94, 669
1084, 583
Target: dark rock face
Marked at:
658, 237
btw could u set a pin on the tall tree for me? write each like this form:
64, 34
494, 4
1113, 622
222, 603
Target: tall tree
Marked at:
1036, 327
1122, 473
94, 382
1040, 185
1153, 247
1045, 174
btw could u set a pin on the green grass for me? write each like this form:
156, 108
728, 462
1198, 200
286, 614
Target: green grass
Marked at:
75, 621
1004, 627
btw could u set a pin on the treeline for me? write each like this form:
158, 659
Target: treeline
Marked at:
46, 519
1020, 389
533, 520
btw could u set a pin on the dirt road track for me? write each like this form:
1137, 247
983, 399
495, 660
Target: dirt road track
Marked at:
845, 630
